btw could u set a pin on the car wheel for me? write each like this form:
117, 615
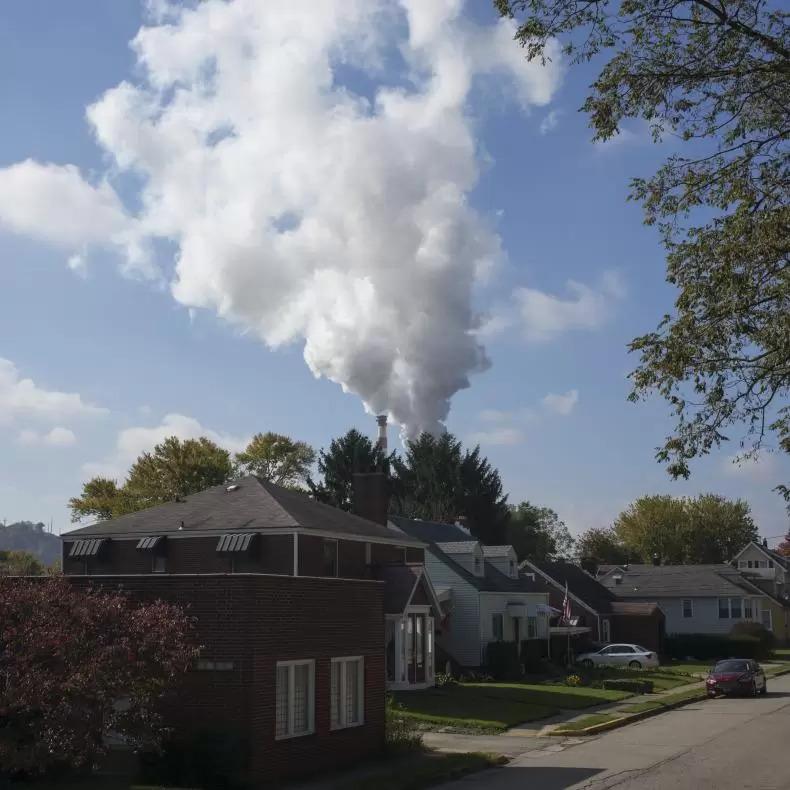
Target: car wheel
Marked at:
635, 665
587, 663
755, 692
764, 689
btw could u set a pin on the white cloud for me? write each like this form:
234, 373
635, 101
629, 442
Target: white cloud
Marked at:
544, 316
22, 398
561, 404
506, 435
132, 442
57, 437
762, 468
302, 210
549, 122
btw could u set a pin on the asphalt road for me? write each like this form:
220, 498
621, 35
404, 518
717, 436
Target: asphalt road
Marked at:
723, 744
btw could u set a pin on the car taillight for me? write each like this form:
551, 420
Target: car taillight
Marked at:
649, 655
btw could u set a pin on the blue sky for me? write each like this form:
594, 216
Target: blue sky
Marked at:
112, 352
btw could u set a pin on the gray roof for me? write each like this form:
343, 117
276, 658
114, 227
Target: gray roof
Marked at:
580, 583
431, 531
670, 581
248, 505
497, 551
458, 547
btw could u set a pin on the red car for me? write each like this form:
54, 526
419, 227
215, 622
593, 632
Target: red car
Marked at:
736, 676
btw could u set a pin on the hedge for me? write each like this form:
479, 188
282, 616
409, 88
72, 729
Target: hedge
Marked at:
502, 660
707, 646
634, 686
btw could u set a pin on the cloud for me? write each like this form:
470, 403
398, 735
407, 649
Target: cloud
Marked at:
507, 435
762, 468
544, 316
549, 122
57, 437
561, 404
22, 398
132, 442
305, 209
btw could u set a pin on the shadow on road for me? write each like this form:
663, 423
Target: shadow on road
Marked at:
517, 777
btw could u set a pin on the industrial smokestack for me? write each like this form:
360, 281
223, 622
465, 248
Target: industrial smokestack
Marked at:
381, 421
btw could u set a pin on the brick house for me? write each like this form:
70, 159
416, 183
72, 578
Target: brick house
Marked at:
290, 598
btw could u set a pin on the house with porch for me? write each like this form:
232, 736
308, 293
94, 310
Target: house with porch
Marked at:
483, 596
293, 601
597, 614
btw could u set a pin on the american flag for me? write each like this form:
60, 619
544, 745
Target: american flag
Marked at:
566, 607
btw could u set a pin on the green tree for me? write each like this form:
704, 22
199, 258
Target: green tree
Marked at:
601, 546
537, 533
174, 469
351, 453
20, 563
438, 480
706, 529
277, 458
715, 75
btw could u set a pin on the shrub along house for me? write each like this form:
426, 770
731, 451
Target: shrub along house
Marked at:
290, 598
483, 596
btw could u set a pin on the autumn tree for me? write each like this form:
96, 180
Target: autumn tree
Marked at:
175, 468
706, 529
277, 458
538, 534
714, 75
349, 454
78, 664
601, 546
20, 563
784, 547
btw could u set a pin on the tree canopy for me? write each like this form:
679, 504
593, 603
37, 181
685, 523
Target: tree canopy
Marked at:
538, 534
714, 75
20, 563
67, 656
705, 529
277, 458
32, 537
601, 546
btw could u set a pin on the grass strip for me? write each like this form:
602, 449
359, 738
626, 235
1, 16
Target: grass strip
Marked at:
586, 721
424, 770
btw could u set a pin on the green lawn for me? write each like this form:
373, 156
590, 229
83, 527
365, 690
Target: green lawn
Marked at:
423, 770
692, 668
668, 701
494, 707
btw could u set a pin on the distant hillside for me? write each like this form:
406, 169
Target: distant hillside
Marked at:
27, 536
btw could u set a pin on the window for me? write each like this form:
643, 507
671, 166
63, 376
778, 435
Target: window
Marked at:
688, 608
348, 692
206, 665
742, 564
512, 568
532, 627
748, 610
767, 620
498, 627
724, 608
159, 564
330, 557
770, 563
749, 564
761, 564
295, 699
607, 630
736, 608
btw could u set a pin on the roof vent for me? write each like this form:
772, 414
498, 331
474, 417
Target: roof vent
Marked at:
234, 487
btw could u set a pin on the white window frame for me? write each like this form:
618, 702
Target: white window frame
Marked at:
767, 611
501, 618
291, 665
690, 602
344, 661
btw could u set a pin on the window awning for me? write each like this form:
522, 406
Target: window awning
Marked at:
150, 543
234, 542
87, 548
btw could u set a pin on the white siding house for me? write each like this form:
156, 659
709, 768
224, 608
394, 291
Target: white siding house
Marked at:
484, 602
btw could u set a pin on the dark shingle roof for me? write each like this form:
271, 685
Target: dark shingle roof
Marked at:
669, 581
580, 584
431, 531
253, 505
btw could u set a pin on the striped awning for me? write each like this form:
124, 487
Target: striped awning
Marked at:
86, 548
149, 543
235, 541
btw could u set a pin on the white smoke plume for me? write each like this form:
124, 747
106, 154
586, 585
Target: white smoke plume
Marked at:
312, 162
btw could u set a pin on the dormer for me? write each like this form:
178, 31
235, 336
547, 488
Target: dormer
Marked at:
503, 558
467, 553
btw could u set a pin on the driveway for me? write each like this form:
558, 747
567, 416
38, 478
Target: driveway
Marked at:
725, 744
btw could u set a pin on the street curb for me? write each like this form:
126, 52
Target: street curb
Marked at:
622, 721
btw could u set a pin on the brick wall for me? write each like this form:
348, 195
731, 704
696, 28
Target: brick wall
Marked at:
255, 621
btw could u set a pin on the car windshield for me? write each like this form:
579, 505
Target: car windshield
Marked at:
731, 666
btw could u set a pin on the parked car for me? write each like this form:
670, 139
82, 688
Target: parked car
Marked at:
632, 656
736, 676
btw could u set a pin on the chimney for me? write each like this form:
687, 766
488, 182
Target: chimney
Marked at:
371, 496
765, 543
656, 560
381, 421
